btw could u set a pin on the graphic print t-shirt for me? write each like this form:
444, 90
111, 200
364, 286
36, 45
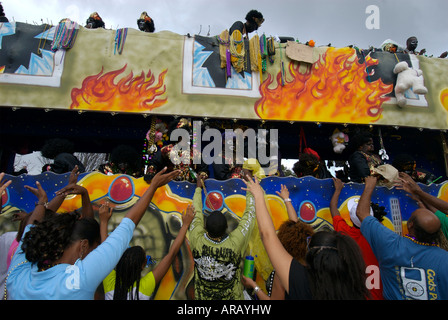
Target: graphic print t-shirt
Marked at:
217, 274
408, 270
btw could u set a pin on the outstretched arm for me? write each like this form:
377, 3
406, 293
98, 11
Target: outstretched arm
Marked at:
431, 202
363, 209
338, 185
280, 258
105, 213
162, 267
197, 226
42, 200
161, 178
73, 188
284, 194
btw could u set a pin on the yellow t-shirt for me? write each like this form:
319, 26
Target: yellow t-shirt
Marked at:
146, 287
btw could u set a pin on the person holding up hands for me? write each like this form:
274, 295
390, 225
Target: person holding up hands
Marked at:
125, 281
354, 232
334, 265
425, 200
61, 257
412, 266
217, 254
52, 206
293, 235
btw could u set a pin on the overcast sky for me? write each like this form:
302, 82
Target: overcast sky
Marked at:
339, 22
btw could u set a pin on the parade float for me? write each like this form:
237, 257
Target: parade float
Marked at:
101, 88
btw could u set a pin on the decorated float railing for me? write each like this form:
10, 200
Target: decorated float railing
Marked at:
129, 71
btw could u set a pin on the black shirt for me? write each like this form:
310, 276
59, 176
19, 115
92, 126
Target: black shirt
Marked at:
299, 286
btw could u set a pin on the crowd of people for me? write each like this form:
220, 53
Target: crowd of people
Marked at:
68, 256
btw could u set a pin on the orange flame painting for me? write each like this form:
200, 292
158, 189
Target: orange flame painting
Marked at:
444, 98
131, 94
333, 89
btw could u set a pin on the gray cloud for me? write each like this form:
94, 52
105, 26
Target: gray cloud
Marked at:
340, 22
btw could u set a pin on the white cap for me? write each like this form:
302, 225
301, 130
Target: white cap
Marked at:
352, 205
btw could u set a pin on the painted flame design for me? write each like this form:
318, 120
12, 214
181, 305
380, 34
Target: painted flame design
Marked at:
333, 89
444, 98
102, 92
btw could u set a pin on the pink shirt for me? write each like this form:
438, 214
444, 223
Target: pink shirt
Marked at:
11, 251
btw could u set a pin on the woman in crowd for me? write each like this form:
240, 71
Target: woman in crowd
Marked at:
125, 281
364, 159
334, 269
60, 256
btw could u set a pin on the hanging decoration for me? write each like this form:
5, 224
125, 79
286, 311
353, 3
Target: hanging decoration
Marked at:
237, 51
382, 151
263, 52
267, 51
303, 148
65, 35
224, 52
46, 32
120, 39
271, 49
339, 141
149, 148
282, 67
255, 56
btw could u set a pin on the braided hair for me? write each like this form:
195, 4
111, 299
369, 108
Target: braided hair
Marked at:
46, 240
128, 271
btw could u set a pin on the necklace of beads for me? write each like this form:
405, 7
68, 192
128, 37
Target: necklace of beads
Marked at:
412, 238
5, 294
215, 240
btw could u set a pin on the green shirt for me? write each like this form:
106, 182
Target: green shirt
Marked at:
443, 221
218, 265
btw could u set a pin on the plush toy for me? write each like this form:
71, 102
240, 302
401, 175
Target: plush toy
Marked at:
407, 78
339, 140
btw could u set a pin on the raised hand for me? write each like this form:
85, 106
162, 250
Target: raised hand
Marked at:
370, 181
407, 184
188, 215
105, 211
338, 184
200, 181
3, 184
72, 189
162, 178
284, 192
73, 178
253, 185
39, 192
